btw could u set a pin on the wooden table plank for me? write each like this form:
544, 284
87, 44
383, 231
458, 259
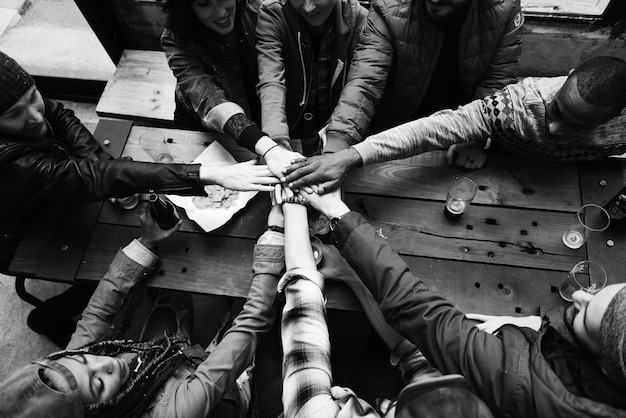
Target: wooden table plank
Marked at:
195, 263
486, 234
142, 89
249, 223
490, 289
506, 180
599, 182
146, 143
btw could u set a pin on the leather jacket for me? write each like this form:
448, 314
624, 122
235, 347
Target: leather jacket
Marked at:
510, 371
69, 164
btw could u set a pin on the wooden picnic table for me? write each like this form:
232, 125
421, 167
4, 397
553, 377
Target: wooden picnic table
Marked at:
503, 256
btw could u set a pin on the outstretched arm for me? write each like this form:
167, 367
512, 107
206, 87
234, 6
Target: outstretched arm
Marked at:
307, 376
197, 396
131, 264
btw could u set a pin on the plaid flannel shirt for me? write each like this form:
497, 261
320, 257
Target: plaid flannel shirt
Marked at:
307, 375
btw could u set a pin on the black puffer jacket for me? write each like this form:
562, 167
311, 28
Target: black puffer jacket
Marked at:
398, 52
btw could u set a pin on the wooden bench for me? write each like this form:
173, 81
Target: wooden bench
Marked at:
142, 89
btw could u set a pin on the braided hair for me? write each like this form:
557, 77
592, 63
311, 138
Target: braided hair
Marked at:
156, 361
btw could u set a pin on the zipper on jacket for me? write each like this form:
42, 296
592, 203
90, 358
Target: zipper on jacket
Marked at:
304, 90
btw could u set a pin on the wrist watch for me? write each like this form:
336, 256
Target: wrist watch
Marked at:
333, 223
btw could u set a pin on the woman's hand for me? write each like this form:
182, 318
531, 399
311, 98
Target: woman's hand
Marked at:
326, 171
278, 158
151, 234
243, 176
492, 323
330, 204
470, 155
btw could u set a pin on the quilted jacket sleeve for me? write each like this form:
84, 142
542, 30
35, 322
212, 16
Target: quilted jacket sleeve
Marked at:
367, 79
504, 66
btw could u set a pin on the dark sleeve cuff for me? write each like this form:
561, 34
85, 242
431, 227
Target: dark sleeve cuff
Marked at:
243, 131
348, 223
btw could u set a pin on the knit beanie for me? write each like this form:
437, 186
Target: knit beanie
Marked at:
14, 82
612, 338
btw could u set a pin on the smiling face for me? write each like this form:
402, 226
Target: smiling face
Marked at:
99, 378
26, 116
568, 115
441, 12
314, 12
217, 15
584, 317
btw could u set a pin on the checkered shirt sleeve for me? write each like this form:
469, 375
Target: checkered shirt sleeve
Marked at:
306, 347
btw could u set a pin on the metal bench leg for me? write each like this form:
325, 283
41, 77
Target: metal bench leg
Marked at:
20, 289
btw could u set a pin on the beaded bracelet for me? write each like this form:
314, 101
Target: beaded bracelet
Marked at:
297, 200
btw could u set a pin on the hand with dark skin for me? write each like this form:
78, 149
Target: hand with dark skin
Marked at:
326, 171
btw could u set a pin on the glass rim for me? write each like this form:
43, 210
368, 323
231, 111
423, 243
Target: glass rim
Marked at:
590, 262
603, 211
456, 180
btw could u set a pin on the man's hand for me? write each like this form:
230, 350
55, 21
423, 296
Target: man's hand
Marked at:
243, 176
470, 155
326, 171
492, 323
279, 158
151, 234
330, 204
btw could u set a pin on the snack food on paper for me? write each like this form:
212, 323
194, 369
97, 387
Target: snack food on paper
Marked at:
218, 197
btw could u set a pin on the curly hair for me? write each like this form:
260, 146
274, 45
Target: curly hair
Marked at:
601, 81
156, 361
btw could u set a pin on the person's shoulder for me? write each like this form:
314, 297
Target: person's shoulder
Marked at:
392, 7
504, 9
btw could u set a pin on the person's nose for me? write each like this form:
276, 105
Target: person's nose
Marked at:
35, 115
580, 299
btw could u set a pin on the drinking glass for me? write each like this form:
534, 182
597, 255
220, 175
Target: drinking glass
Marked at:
461, 192
590, 218
586, 275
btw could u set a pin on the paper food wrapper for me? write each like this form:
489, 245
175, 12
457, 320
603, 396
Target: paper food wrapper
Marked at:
219, 207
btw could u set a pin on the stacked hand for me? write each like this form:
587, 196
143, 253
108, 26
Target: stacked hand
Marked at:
279, 158
326, 172
243, 176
